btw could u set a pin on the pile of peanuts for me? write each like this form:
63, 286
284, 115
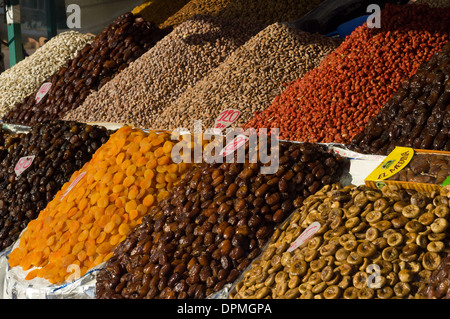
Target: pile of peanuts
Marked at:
139, 93
334, 102
219, 218
416, 116
261, 11
250, 78
94, 211
370, 244
119, 44
24, 78
59, 149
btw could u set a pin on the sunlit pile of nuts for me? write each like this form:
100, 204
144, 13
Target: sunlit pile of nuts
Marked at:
261, 11
370, 244
24, 78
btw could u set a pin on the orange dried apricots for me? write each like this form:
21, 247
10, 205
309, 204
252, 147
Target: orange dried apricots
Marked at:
95, 210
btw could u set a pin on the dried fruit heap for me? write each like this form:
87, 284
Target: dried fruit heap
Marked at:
335, 101
217, 221
119, 44
60, 148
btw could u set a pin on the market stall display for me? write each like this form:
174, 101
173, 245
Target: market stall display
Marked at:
119, 44
94, 211
24, 78
367, 244
334, 102
218, 219
34, 171
250, 78
138, 94
416, 116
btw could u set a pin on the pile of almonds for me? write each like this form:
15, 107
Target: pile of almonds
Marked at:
159, 11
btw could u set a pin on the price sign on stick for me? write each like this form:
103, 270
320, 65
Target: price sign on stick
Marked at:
226, 118
43, 90
307, 234
22, 164
237, 142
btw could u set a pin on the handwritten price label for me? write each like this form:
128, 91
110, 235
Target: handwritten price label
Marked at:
307, 234
43, 90
226, 118
236, 143
72, 185
22, 164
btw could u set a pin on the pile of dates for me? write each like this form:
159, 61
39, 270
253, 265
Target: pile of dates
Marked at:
425, 168
217, 221
371, 244
417, 115
59, 148
121, 43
